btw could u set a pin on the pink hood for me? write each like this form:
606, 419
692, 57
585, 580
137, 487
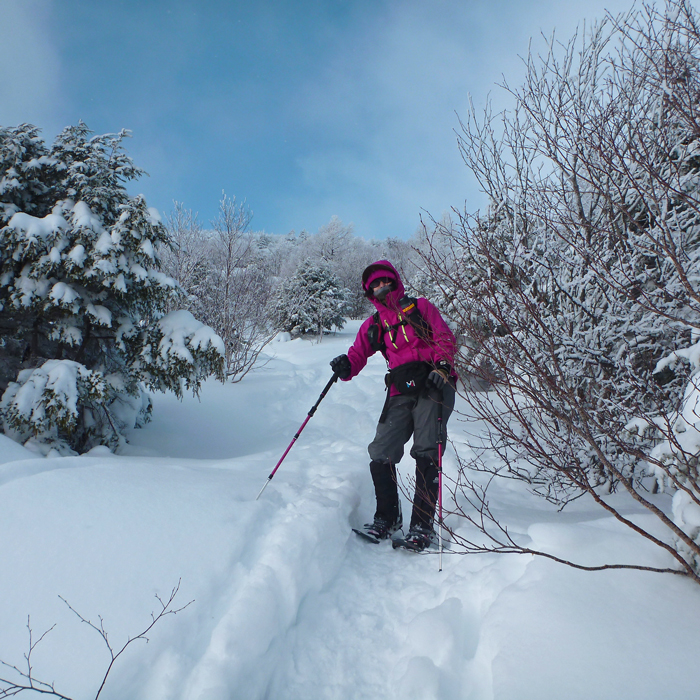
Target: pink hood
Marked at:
383, 268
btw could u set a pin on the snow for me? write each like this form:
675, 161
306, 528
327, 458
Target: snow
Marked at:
104, 243
147, 249
287, 602
38, 228
691, 354
62, 293
83, 217
59, 376
180, 329
154, 215
30, 287
100, 314
10, 451
67, 333
78, 255
139, 272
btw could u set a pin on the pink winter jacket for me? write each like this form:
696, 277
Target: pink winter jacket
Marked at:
402, 345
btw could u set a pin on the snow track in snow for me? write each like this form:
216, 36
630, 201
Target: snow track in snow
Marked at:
289, 603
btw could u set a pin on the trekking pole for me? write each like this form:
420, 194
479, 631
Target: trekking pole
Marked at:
333, 380
440, 478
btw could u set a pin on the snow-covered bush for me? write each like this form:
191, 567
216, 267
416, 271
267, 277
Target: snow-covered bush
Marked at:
675, 459
583, 274
310, 301
80, 282
44, 401
179, 350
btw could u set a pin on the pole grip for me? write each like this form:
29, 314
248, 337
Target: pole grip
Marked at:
440, 476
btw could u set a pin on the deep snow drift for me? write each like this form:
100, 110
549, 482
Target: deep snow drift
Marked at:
287, 602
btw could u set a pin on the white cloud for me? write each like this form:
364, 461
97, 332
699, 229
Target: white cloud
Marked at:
385, 105
391, 99
30, 67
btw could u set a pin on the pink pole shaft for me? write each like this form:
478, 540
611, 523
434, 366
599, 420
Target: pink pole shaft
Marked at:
440, 482
291, 444
440, 498
332, 381
440, 429
277, 466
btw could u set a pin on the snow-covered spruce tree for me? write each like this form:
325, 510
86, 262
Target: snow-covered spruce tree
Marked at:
310, 301
27, 171
82, 298
583, 277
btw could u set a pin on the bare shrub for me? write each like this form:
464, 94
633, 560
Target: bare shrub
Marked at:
23, 679
223, 280
579, 285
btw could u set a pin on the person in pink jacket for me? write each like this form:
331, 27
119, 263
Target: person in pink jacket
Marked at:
419, 349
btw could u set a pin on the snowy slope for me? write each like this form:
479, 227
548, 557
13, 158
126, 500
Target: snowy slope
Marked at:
287, 604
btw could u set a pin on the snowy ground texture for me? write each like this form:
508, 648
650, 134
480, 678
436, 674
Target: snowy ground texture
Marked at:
287, 602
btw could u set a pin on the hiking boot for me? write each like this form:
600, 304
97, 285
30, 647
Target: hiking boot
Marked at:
382, 529
419, 537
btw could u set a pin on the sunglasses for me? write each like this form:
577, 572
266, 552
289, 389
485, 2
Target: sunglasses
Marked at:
379, 281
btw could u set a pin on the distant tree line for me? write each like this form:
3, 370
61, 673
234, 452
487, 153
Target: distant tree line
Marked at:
250, 285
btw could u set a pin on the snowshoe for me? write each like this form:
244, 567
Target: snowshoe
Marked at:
379, 530
418, 539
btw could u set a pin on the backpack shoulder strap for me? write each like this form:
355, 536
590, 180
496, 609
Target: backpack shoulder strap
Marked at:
413, 315
375, 334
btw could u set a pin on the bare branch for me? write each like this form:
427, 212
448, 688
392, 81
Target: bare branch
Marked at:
11, 688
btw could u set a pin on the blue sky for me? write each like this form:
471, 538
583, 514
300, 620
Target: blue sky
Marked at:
306, 109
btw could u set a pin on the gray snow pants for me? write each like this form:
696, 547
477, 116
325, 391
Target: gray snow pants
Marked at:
412, 415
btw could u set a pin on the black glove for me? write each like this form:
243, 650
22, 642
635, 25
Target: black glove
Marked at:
341, 366
440, 375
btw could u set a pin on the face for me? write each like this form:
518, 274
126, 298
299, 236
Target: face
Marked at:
381, 287
380, 283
